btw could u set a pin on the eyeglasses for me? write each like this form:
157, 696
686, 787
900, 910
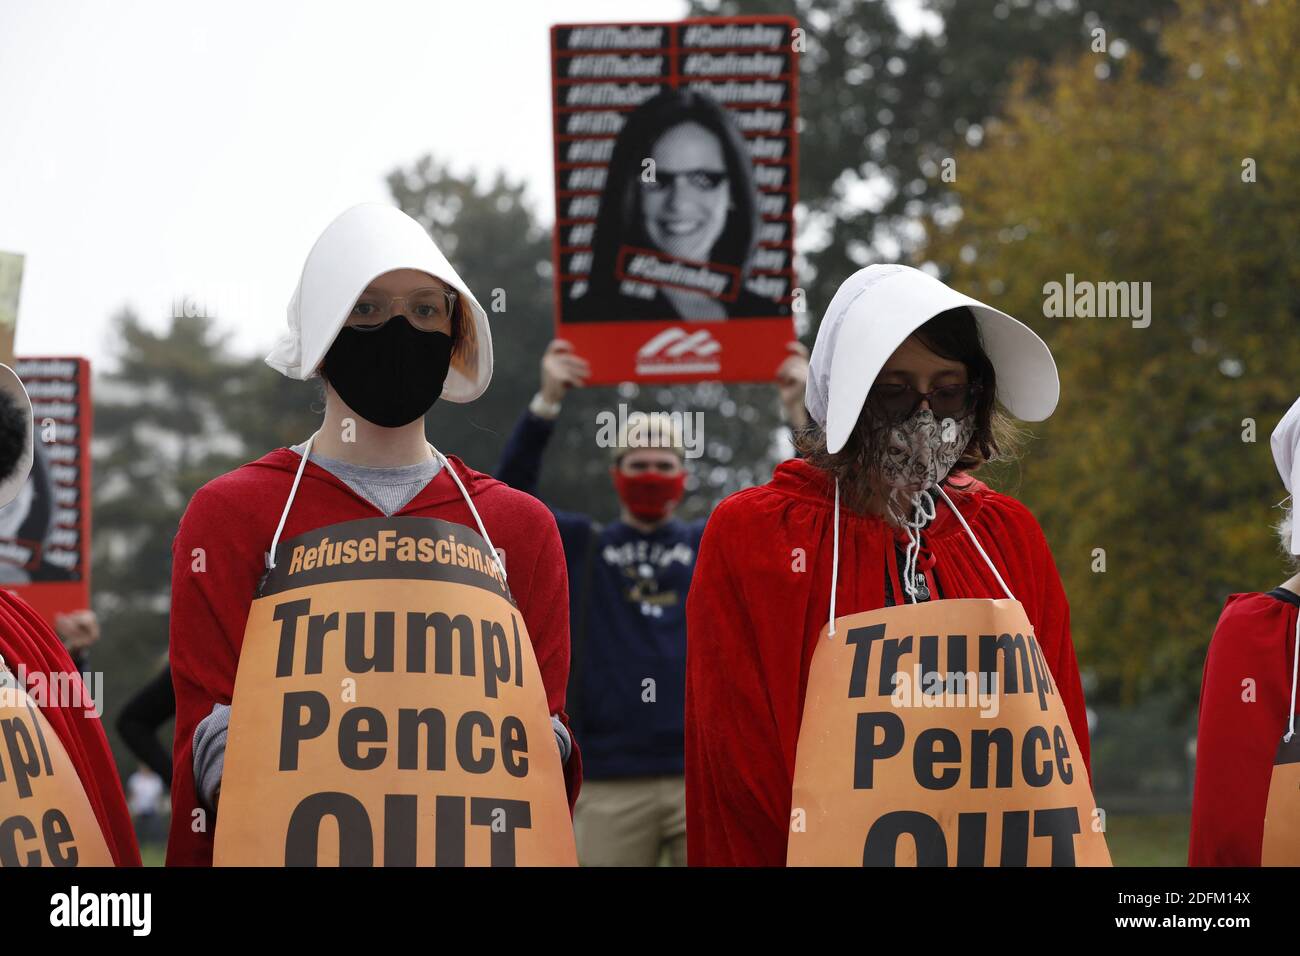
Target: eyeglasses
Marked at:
701, 180
428, 309
897, 402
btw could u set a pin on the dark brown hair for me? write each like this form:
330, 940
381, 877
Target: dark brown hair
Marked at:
14, 422
619, 222
951, 335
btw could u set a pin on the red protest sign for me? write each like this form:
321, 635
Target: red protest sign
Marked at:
675, 169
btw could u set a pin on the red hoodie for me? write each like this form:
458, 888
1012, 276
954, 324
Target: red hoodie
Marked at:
26, 640
749, 617
234, 517
1238, 735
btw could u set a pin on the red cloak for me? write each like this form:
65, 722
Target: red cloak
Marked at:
1238, 734
750, 618
234, 517
26, 640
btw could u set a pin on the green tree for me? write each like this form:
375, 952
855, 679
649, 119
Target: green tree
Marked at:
177, 410
882, 109
1135, 180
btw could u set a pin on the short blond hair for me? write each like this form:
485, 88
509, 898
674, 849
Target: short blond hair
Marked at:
664, 430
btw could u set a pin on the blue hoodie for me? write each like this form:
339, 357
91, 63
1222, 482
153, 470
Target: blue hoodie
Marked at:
627, 621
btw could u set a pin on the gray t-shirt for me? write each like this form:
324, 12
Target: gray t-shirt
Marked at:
388, 489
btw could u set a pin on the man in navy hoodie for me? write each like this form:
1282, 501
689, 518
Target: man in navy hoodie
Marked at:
628, 582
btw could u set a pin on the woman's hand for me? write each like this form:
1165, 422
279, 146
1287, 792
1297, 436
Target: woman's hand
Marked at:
78, 629
562, 369
791, 380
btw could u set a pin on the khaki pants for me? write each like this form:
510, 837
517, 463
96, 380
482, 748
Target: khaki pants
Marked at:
629, 822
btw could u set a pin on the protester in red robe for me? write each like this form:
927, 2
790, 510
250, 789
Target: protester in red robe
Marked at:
386, 352
28, 646
896, 353
28, 643
1247, 691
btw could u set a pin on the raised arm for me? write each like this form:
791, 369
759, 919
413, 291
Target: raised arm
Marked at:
791, 382
521, 459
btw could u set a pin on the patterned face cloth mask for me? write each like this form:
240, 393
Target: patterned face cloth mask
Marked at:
917, 454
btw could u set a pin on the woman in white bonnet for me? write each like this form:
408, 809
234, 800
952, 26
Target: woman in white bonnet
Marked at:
388, 325
904, 387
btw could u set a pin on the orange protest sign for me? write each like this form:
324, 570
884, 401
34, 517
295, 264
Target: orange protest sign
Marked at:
388, 710
933, 735
45, 817
1281, 845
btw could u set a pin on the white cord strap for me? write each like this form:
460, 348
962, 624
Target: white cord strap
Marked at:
835, 558
284, 515
976, 542
474, 511
921, 516
1295, 663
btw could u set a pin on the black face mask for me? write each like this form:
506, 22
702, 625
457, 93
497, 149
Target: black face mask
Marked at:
390, 376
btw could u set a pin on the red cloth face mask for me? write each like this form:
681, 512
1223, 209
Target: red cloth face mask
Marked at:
649, 495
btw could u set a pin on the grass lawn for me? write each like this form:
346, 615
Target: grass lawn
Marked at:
153, 854
1157, 839
1134, 840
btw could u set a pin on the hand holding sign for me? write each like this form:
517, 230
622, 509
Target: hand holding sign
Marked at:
562, 369
77, 629
791, 382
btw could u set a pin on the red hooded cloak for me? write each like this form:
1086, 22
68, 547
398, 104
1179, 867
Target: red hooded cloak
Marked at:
234, 517
27, 641
752, 626
1239, 732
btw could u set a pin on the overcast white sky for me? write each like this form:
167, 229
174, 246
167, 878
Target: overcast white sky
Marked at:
152, 149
